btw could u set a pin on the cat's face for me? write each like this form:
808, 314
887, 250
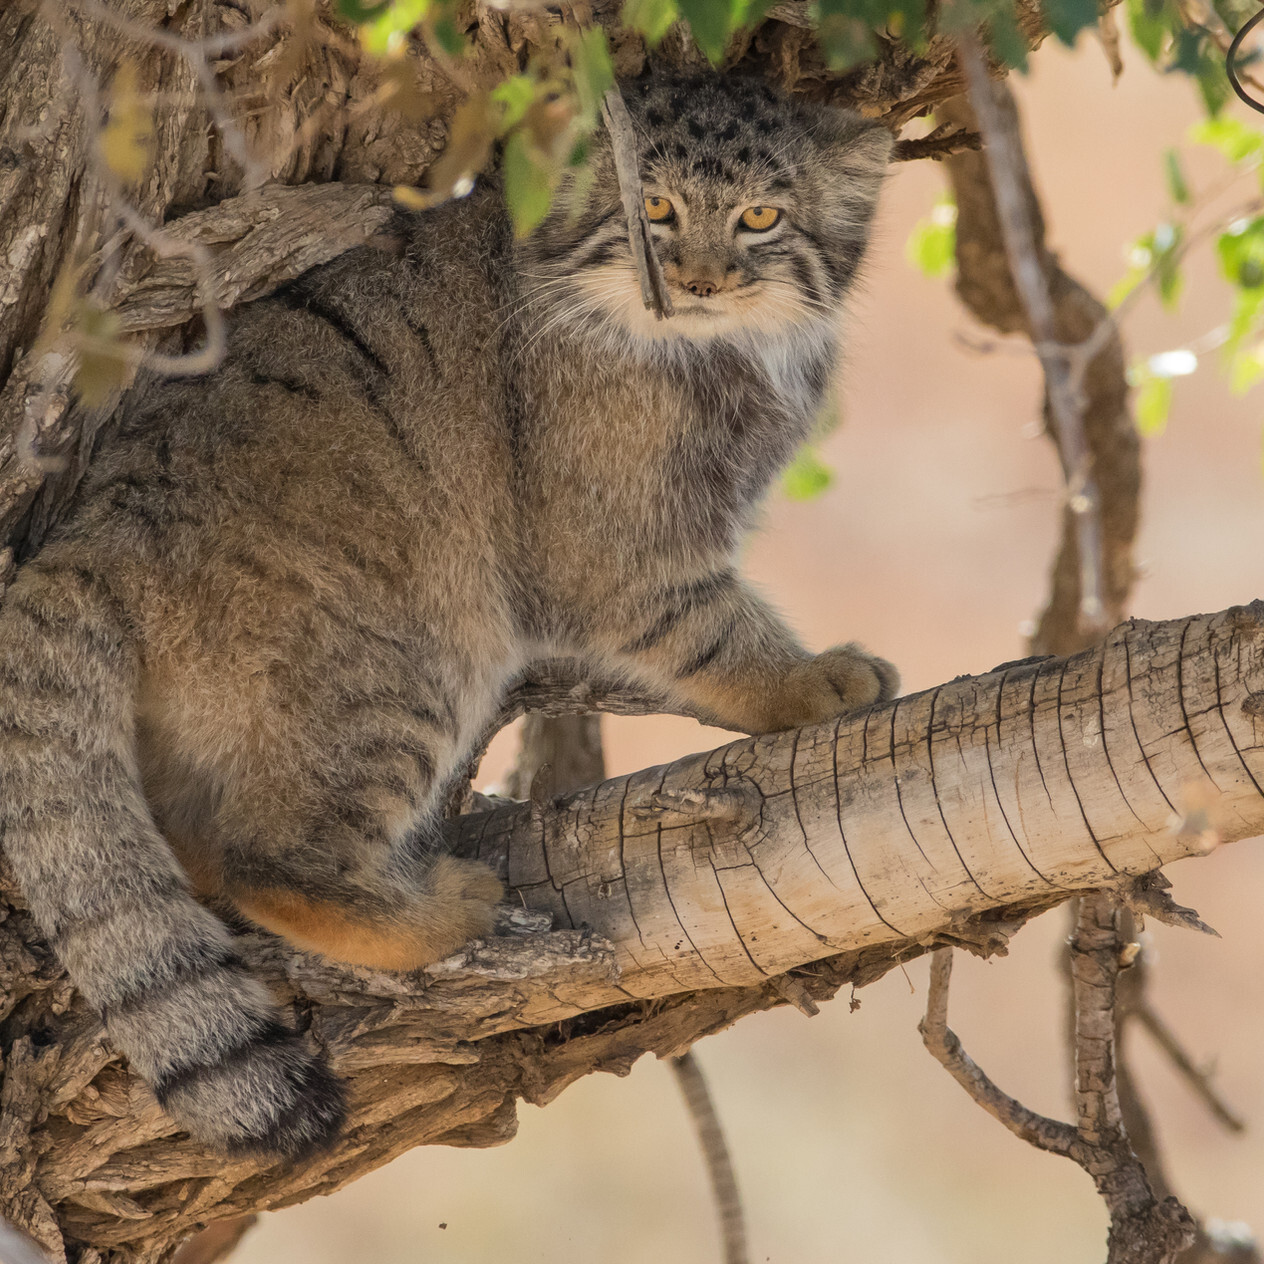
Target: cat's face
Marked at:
759, 208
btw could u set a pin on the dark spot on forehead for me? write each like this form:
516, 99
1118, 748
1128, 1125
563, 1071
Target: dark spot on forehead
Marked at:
730, 132
696, 130
680, 151
744, 155
765, 125
708, 165
680, 101
655, 118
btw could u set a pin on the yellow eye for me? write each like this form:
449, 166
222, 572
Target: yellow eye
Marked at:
660, 210
759, 219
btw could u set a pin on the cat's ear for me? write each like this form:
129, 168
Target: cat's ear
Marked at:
855, 146
855, 152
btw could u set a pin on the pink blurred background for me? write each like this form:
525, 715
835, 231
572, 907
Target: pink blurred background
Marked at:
932, 547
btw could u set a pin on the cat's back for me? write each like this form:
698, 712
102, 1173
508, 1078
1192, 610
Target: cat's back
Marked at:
360, 394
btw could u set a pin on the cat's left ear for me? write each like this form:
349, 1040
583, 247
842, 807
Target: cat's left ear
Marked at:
856, 152
855, 146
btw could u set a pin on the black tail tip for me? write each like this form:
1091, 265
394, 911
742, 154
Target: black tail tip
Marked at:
308, 1123
269, 1096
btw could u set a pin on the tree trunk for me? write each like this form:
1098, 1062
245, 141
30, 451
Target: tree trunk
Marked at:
773, 870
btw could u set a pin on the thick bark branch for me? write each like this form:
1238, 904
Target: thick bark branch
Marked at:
683, 895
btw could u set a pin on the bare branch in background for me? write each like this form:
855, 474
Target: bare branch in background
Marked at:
706, 1122
1144, 1229
945, 1046
1003, 152
1090, 339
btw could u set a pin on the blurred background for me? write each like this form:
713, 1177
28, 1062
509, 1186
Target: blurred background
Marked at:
932, 547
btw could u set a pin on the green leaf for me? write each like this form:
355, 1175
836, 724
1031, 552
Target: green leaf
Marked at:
1232, 138
1149, 26
932, 245
650, 18
1177, 188
1246, 368
1067, 18
845, 41
593, 72
1154, 402
709, 22
1187, 50
1160, 250
1241, 252
529, 180
1008, 42
356, 11
1213, 82
1248, 306
448, 36
807, 476
516, 94
1124, 286
387, 25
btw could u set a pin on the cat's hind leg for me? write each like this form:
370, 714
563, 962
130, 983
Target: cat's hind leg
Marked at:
321, 822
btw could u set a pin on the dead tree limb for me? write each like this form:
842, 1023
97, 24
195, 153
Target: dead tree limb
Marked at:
1111, 445
681, 896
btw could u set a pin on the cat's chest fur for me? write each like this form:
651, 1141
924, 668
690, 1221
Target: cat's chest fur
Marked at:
665, 452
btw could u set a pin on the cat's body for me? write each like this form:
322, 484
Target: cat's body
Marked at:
291, 595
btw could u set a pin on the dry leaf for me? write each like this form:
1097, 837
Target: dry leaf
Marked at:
127, 139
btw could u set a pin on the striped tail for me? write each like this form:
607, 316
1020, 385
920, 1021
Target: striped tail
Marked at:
110, 895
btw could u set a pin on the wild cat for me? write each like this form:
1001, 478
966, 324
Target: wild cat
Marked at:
291, 594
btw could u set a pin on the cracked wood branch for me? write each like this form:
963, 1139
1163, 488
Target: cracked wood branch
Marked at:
1029, 783
682, 896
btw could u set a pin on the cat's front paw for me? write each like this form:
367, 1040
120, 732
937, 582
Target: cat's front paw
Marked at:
845, 678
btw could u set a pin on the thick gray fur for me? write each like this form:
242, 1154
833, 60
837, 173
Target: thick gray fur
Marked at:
291, 594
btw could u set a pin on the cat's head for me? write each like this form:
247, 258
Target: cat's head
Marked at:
760, 208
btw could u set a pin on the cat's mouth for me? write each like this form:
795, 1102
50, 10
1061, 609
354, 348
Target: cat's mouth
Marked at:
611, 295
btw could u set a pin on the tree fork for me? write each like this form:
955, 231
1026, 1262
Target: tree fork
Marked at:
681, 894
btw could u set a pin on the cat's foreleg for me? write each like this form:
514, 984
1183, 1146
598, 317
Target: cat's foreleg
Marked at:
714, 643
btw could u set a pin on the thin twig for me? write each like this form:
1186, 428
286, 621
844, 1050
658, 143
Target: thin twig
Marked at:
942, 1042
623, 142
211, 46
942, 143
706, 1122
1003, 151
161, 242
1143, 1230
1198, 1079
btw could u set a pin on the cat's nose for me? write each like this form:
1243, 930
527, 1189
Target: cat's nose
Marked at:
703, 287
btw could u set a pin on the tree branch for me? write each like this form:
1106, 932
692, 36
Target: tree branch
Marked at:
681, 895
1020, 235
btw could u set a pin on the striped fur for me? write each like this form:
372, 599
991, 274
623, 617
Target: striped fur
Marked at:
290, 595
